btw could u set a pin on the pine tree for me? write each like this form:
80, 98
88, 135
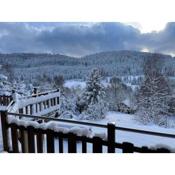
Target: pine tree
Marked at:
91, 102
153, 94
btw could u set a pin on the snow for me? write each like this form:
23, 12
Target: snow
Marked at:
120, 119
81, 84
127, 120
27, 101
3, 108
75, 84
3, 77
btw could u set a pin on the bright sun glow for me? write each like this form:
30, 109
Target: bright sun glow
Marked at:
145, 50
146, 27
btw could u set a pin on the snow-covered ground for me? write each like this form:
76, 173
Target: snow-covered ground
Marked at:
75, 84
129, 121
126, 120
82, 84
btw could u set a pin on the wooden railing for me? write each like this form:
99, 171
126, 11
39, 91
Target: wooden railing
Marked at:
19, 138
40, 104
5, 100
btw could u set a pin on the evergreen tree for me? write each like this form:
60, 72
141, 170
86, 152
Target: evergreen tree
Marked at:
91, 103
153, 94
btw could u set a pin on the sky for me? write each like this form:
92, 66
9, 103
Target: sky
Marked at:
79, 39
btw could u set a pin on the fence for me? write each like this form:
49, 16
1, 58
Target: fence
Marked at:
40, 104
18, 138
5, 100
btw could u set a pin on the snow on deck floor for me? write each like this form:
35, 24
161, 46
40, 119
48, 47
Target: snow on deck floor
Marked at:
126, 120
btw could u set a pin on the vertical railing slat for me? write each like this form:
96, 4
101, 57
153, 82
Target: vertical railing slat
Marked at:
97, 145
22, 138
14, 134
39, 141
84, 145
72, 145
31, 139
4, 125
111, 137
60, 142
50, 141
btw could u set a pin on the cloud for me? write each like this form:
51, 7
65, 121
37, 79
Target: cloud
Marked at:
79, 39
163, 41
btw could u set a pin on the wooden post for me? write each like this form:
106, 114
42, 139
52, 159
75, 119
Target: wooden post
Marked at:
97, 145
22, 138
58, 100
128, 147
36, 107
84, 144
26, 109
31, 109
47, 103
60, 136
39, 141
40, 108
111, 138
72, 147
50, 141
26, 142
14, 135
31, 139
51, 102
4, 124
54, 101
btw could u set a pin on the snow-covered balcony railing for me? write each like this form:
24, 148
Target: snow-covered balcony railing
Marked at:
37, 104
5, 100
60, 135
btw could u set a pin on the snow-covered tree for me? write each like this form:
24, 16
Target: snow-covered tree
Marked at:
67, 104
153, 94
91, 103
118, 92
5, 85
58, 81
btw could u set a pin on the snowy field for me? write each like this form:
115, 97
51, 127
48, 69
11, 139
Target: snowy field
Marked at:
73, 84
81, 84
126, 120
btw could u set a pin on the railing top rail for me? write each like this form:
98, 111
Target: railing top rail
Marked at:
97, 125
59, 120
39, 94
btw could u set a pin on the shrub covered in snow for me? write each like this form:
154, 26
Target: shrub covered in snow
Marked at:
67, 103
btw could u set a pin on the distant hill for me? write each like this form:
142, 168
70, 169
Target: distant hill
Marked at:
30, 66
